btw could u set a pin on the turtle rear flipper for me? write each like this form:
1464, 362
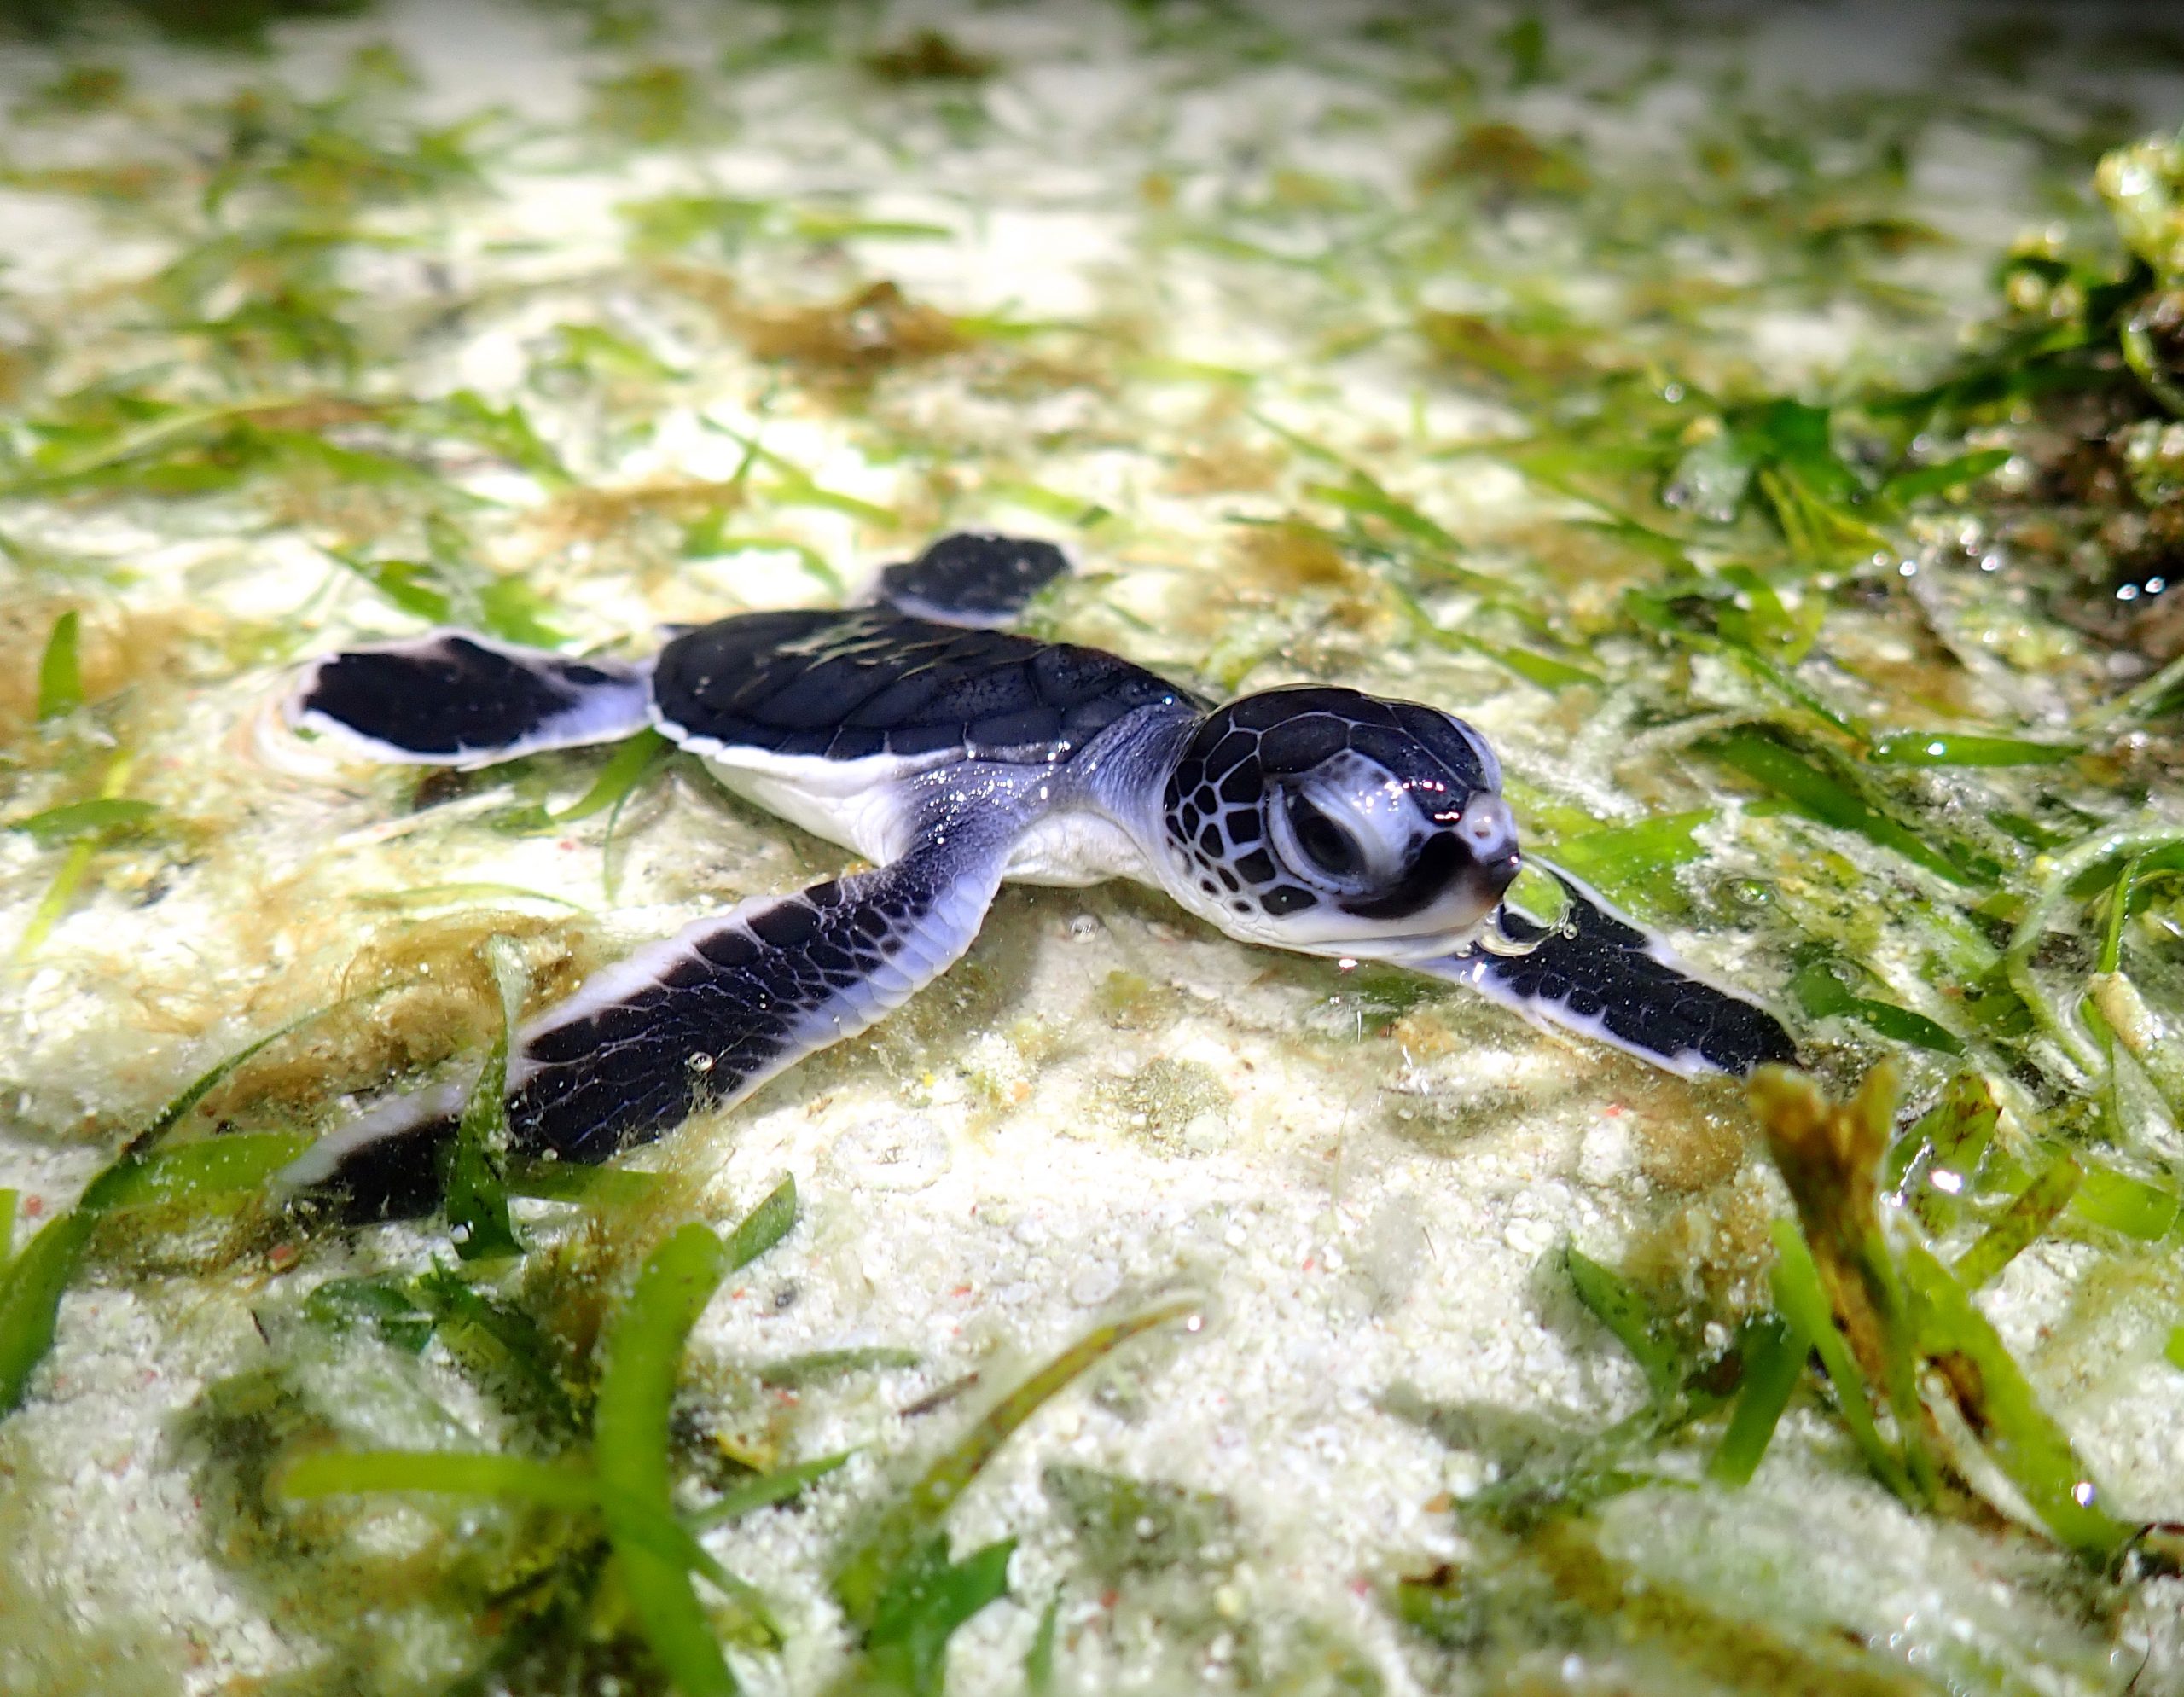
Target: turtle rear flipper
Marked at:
973, 578
454, 699
1603, 975
698, 1021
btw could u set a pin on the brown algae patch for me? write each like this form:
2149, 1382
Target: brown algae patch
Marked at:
1180, 1107
853, 340
1689, 1140
1224, 468
421, 993
118, 648
1277, 560
930, 55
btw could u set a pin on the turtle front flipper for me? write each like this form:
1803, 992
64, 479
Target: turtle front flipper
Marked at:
698, 1021
1600, 973
707, 1016
454, 699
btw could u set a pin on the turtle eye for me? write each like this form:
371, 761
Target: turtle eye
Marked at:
1331, 849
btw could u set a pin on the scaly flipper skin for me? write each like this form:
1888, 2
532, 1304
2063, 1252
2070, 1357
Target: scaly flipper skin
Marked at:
711, 1014
700, 1019
973, 578
451, 698
1601, 974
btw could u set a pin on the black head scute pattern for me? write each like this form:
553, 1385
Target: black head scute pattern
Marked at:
1218, 795
842, 686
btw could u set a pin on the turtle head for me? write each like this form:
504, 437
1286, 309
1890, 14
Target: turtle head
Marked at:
1334, 823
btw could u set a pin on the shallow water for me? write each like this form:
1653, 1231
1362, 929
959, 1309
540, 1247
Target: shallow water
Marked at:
744, 305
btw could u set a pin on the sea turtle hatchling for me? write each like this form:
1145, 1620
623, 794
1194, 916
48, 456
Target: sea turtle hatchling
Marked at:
955, 757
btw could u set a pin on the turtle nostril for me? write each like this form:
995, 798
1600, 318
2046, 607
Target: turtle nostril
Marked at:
1489, 824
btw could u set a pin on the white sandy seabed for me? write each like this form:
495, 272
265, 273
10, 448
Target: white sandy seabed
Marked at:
1361, 1212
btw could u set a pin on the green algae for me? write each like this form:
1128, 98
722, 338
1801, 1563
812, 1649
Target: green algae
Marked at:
899, 1586
32, 1284
1746, 523
1821, 795
766, 1491
390, 1312
1125, 1526
60, 671
1822, 993
609, 1463
84, 828
644, 1351
1992, 1393
1619, 1306
907, 1529
476, 1196
1773, 1360
614, 1468
928, 1596
761, 1228
2027, 1218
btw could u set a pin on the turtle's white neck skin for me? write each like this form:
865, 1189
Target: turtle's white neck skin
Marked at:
1403, 946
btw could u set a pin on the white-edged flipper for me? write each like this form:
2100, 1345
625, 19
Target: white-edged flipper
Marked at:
386, 1162
973, 578
452, 698
711, 1013
1602, 973
700, 1019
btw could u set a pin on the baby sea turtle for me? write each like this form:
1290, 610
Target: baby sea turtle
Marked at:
955, 755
